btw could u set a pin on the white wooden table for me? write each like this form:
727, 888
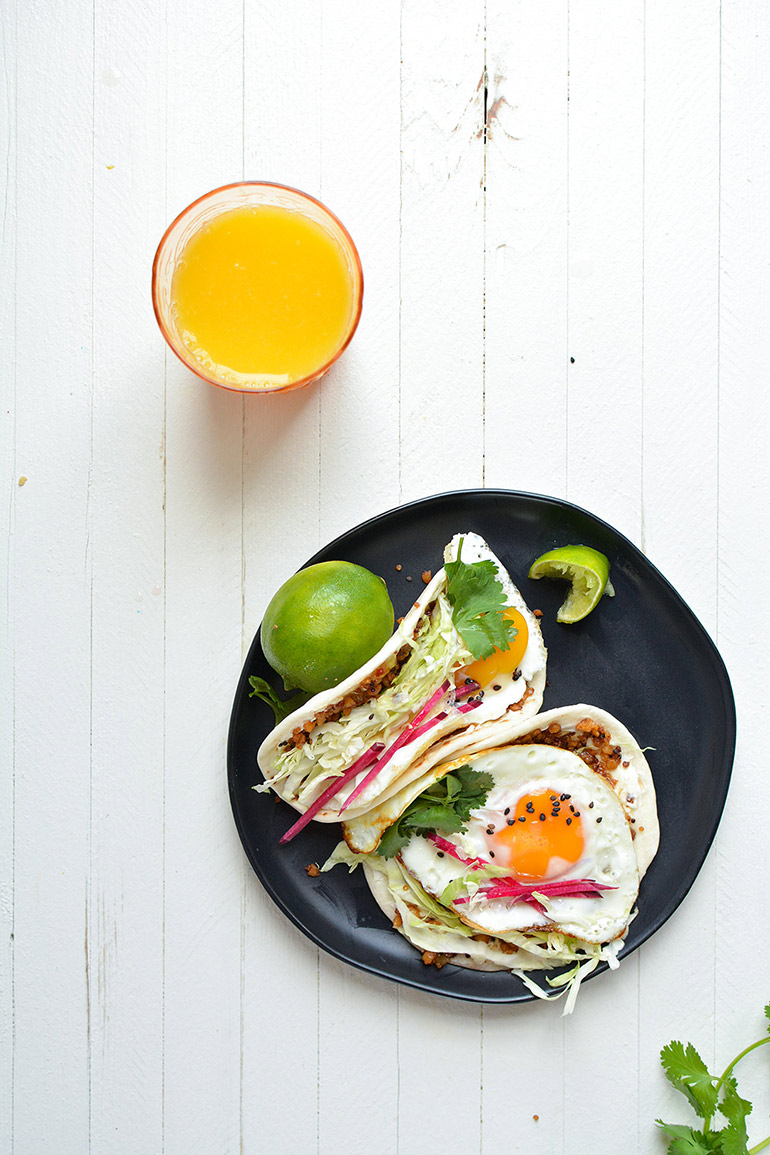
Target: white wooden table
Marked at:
569, 297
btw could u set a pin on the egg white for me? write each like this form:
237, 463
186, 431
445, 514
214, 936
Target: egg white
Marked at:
608, 853
525, 684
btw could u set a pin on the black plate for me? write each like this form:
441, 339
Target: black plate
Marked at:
642, 655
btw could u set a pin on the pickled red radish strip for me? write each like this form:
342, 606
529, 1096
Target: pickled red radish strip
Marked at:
404, 737
466, 706
434, 721
469, 687
360, 764
525, 891
450, 849
427, 726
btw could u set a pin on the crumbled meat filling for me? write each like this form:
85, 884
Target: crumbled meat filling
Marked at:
589, 740
432, 958
368, 691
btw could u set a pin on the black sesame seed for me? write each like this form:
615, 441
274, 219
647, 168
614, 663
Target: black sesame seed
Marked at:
577, 813
507, 810
530, 808
440, 853
497, 687
569, 822
542, 817
572, 808
565, 797
599, 818
590, 805
522, 819
491, 854
370, 717
511, 821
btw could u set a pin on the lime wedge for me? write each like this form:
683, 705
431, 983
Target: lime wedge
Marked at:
585, 569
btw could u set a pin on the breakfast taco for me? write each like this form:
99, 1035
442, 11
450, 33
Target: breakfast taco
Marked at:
469, 651
521, 849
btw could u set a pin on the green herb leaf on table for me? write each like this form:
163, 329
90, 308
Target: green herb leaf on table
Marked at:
281, 707
685, 1140
686, 1070
444, 808
708, 1094
478, 601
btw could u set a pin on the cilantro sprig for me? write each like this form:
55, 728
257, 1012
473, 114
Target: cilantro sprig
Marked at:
478, 602
444, 807
708, 1094
281, 707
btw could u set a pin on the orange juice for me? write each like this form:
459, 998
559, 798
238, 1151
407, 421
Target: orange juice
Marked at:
263, 296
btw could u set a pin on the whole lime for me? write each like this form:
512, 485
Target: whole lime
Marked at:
325, 622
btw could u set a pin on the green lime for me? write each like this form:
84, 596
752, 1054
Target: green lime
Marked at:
325, 622
585, 569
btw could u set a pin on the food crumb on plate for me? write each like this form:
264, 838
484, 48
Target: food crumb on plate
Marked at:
426, 575
311, 870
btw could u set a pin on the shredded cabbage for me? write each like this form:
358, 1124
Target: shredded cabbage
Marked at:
433, 926
437, 652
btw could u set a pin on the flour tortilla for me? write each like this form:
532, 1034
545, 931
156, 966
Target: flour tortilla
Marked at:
633, 783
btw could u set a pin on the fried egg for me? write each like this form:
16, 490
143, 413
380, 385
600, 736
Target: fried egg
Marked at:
510, 679
548, 818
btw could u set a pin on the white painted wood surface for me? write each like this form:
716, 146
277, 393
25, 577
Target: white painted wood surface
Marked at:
614, 209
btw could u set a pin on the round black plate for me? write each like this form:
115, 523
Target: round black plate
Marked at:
641, 655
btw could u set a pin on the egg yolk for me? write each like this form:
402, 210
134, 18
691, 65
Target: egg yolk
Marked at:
485, 670
542, 839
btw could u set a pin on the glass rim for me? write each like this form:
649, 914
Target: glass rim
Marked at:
358, 280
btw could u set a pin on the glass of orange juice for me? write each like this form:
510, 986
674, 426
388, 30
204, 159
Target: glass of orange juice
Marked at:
257, 287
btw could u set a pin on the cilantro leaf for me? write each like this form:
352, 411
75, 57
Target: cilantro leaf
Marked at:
685, 1141
767, 1016
444, 807
735, 1109
478, 601
394, 839
281, 708
687, 1072
435, 817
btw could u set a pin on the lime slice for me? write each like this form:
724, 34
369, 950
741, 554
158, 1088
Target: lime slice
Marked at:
585, 569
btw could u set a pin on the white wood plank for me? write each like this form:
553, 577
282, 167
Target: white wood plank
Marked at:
604, 401
526, 351
281, 495
681, 211
203, 457
606, 103
525, 431
439, 1062
442, 258
743, 855
52, 579
11, 488
126, 895
359, 478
